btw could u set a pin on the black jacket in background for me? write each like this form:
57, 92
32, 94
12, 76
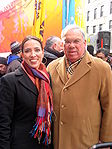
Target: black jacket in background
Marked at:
50, 55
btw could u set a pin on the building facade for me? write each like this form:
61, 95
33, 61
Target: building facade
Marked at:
98, 19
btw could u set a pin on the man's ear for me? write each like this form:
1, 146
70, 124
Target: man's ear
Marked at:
85, 42
54, 46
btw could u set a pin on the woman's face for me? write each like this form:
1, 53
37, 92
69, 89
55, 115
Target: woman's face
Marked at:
33, 53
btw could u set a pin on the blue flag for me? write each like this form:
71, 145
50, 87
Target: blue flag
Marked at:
68, 16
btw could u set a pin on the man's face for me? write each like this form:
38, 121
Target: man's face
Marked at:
3, 69
102, 56
74, 46
58, 46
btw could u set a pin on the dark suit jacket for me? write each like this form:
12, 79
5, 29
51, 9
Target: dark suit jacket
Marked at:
18, 97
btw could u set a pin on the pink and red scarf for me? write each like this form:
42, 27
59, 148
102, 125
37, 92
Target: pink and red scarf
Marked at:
42, 128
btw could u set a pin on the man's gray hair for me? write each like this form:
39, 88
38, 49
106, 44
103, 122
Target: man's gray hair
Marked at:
51, 40
71, 27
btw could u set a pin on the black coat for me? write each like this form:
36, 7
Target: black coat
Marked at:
50, 55
18, 98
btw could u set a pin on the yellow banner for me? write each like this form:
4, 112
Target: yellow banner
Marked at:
39, 18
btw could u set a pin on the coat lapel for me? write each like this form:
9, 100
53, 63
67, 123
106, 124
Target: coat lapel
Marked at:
62, 70
82, 69
25, 81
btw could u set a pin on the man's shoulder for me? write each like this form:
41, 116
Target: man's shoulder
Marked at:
13, 75
55, 63
13, 66
99, 63
14, 63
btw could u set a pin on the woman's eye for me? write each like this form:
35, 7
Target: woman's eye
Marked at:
37, 50
27, 50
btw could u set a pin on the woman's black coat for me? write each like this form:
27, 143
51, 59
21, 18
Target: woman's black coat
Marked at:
18, 97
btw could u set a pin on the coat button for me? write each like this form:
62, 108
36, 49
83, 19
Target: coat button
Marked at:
61, 123
62, 106
65, 89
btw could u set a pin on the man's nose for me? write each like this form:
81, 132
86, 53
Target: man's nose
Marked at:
72, 44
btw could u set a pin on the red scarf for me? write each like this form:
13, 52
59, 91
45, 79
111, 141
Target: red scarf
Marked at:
42, 127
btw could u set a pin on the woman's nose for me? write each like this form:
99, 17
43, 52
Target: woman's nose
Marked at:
33, 53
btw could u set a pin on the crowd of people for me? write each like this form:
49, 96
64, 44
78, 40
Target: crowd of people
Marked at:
101, 53
55, 97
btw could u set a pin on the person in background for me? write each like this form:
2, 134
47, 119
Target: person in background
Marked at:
26, 102
53, 49
3, 66
14, 59
82, 94
109, 60
102, 53
90, 49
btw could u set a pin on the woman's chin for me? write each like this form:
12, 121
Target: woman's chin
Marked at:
35, 66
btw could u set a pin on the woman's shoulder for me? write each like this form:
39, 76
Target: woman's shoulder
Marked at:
11, 77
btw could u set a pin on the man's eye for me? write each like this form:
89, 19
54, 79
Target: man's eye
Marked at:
67, 41
76, 41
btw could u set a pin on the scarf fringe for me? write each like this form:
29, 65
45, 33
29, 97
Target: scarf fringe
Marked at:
43, 134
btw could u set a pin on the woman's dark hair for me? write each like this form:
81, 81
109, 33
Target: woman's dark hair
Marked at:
29, 37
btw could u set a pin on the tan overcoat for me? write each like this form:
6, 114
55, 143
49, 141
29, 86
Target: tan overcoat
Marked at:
82, 104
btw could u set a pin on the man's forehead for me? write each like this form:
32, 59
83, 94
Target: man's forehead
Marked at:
74, 36
2, 65
100, 54
73, 32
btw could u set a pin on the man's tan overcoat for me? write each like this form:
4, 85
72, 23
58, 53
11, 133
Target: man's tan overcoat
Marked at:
82, 104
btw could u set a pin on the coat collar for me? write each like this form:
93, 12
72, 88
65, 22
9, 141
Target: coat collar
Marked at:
61, 69
25, 80
82, 69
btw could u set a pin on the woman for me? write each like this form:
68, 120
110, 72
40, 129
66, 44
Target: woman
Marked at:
26, 102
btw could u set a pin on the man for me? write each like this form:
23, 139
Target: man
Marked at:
90, 49
14, 59
103, 54
3, 66
53, 49
82, 90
